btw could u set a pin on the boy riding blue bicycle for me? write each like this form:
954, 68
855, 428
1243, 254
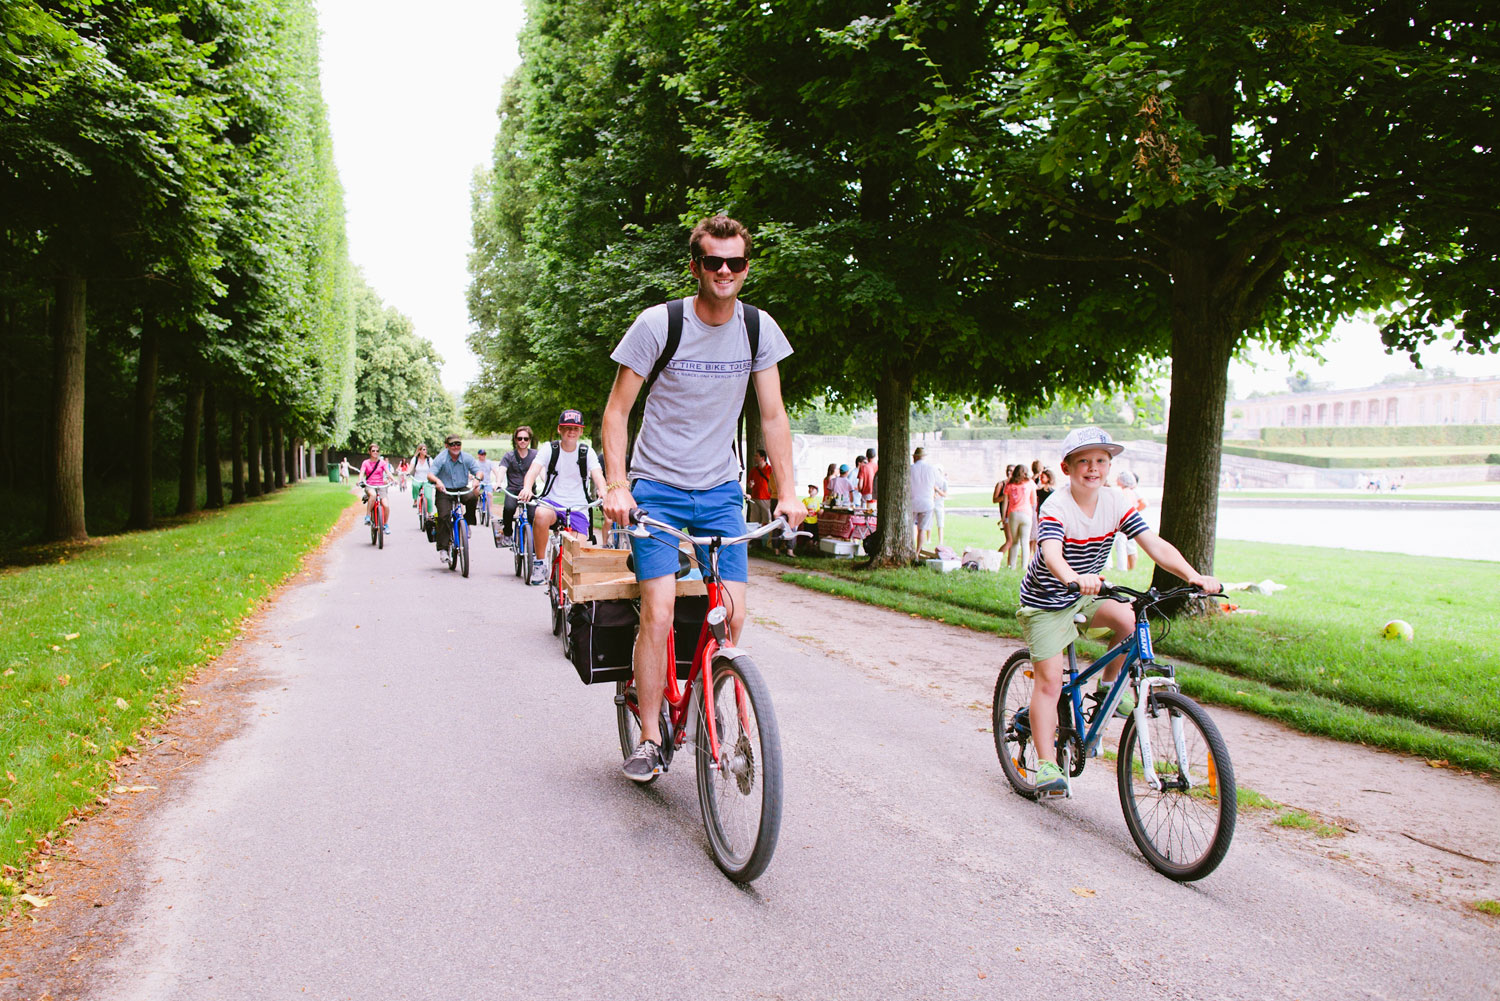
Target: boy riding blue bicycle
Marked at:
1076, 530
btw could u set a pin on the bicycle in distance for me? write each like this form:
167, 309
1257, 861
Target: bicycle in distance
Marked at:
557, 599
458, 533
735, 737
380, 513
482, 505
1175, 779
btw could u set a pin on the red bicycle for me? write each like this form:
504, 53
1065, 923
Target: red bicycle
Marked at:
736, 740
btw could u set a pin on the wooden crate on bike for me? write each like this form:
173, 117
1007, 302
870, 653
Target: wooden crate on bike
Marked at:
594, 573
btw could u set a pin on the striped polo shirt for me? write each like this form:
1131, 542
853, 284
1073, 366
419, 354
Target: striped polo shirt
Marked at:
1086, 541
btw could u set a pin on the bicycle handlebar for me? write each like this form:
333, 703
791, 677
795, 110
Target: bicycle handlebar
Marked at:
1119, 592
639, 517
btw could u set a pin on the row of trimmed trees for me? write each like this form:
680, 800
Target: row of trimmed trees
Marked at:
173, 251
958, 200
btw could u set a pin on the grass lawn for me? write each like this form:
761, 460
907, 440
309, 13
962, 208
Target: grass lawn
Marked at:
1312, 657
98, 641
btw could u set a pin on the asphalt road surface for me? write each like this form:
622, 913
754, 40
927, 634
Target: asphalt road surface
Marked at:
425, 803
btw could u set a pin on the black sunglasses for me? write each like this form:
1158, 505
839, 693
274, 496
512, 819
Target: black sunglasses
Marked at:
712, 263
523, 437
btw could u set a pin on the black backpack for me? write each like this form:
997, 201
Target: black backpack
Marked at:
583, 468
674, 338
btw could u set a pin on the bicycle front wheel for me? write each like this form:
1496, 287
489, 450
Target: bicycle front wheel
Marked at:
1013, 741
1184, 828
463, 550
379, 532
554, 598
740, 794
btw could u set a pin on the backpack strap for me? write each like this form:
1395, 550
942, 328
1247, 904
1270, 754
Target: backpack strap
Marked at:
551, 468
752, 331
583, 469
669, 350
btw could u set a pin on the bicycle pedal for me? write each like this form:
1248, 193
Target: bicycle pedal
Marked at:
1064, 793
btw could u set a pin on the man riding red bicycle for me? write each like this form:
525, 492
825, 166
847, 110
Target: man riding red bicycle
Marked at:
695, 359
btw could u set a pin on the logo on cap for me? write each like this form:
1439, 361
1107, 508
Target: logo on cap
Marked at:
1079, 439
570, 418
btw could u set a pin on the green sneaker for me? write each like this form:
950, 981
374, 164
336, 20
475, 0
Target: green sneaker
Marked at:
1050, 779
1127, 704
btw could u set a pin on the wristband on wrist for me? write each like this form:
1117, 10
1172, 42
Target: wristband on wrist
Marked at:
618, 485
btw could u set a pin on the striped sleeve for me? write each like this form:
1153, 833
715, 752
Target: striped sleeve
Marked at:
1133, 524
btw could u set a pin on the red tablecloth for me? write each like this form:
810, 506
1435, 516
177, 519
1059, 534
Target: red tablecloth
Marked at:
834, 523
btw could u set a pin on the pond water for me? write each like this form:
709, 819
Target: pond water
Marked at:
1462, 534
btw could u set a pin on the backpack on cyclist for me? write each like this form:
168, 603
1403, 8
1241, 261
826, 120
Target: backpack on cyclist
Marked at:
583, 475
674, 338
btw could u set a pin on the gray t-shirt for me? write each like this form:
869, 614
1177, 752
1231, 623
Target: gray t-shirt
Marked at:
687, 433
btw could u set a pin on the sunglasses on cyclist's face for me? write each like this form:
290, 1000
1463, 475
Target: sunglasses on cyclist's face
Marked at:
522, 437
709, 262
455, 444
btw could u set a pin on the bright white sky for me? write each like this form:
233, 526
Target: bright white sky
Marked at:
412, 92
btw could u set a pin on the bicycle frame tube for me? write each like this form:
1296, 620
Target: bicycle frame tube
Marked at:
1074, 688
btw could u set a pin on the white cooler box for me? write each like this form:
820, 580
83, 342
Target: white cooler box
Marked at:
839, 547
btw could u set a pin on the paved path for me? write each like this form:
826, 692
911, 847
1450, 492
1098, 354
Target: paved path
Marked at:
426, 804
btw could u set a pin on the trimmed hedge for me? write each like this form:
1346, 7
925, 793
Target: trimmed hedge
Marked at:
1360, 462
1043, 433
1436, 434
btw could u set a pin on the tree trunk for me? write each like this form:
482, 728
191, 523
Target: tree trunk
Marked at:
213, 475
322, 461
278, 455
267, 456
1204, 334
893, 484
237, 451
187, 464
253, 483
64, 459
8, 349
142, 514
293, 461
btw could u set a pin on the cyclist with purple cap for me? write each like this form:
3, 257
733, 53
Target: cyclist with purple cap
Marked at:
566, 467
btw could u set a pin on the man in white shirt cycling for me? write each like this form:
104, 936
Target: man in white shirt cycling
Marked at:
560, 464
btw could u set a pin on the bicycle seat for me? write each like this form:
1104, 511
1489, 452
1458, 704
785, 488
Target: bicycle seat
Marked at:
684, 565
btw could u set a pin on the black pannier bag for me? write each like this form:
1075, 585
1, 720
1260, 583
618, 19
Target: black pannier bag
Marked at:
601, 635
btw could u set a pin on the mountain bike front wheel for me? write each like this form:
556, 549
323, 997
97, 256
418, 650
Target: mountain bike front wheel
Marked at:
1009, 718
740, 794
1183, 828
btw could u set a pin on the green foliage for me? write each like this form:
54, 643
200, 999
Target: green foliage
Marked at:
1440, 434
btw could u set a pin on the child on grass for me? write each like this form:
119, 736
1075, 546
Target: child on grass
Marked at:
1076, 527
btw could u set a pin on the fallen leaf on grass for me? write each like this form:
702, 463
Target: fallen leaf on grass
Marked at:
35, 901
9, 671
72, 636
121, 704
133, 788
63, 680
1084, 891
1437, 762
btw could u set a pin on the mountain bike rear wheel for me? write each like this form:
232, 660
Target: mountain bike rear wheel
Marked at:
1184, 828
740, 794
1013, 743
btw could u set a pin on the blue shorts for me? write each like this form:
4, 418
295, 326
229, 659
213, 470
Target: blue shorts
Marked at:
716, 511
578, 521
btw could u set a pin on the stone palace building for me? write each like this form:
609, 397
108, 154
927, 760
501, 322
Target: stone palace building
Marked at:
1440, 401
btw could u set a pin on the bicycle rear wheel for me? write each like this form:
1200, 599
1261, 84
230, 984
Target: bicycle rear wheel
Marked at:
554, 599
1013, 741
628, 719
741, 793
1183, 829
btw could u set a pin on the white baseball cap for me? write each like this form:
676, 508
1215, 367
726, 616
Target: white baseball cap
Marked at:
1080, 439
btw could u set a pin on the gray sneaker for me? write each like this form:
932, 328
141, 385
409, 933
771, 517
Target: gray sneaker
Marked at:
645, 763
539, 572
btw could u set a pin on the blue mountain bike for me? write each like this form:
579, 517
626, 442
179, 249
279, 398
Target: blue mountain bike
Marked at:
458, 533
522, 539
1175, 779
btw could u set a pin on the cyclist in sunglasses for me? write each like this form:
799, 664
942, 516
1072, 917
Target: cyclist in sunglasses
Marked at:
515, 463
684, 469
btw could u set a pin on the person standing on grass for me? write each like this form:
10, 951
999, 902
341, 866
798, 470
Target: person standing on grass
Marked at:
683, 468
924, 484
1077, 523
761, 486
1020, 508
867, 477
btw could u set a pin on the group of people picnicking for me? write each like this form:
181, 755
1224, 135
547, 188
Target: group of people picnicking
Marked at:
1020, 496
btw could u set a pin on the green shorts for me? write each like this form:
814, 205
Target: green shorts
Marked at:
1048, 631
